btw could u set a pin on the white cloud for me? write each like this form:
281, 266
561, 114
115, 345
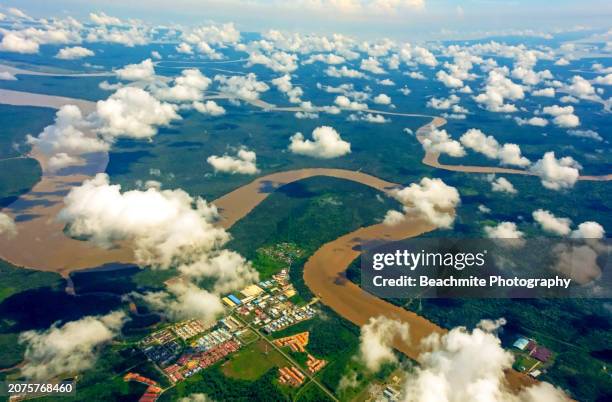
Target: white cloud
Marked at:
285, 85
102, 19
448, 80
184, 48
581, 88
372, 65
594, 135
243, 163
328, 58
164, 227
563, 116
345, 103
368, 117
463, 366
187, 87
382, 99
589, 230
545, 92
393, 218
343, 72
229, 269
133, 112
502, 185
440, 141
143, 71
604, 80
62, 160
184, 300
508, 154
504, 230
431, 199
280, 62
209, 107
497, 90
64, 141
12, 42
73, 53
551, 223
7, 225
533, 121
244, 87
556, 174
69, 348
326, 144
376, 341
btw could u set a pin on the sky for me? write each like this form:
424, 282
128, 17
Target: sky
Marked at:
401, 19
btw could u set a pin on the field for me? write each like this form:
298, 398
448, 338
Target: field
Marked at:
253, 361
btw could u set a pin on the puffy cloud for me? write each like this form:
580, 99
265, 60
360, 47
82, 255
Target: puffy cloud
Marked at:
382, 99
162, 226
604, 80
564, 116
463, 366
551, 223
439, 141
326, 144
184, 300
127, 36
431, 199
143, 71
581, 88
589, 230
213, 34
594, 135
418, 54
534, 121
244, 87
499, 88
280, 62
343, 72
508, 154
62, 160
448, 80
13, 42
184, 48
368, 117
133, 112
284, 85
244, 162
502, 185
345, 103
556, 174
73, 53
102, 19
187, 87
229, 269
64, 141
504, 230
328, 58
372, 65
209, 107
69, 348
376, 340
7, 225
545, 92
393, 218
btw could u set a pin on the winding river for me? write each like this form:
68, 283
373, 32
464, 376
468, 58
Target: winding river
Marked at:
42, 244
